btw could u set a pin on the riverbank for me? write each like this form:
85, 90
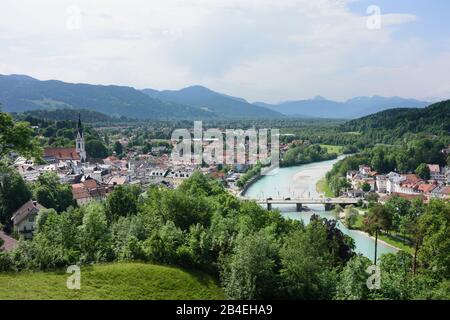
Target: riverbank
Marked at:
384, 238
322, 186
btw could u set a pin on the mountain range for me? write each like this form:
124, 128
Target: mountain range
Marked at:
20, 93
320, 107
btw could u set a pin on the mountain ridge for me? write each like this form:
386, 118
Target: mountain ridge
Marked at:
20, 93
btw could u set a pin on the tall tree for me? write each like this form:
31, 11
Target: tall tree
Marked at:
14, 192
51, 193
17, 137
118, 148
377, 218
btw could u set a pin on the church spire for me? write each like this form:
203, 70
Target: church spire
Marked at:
80, 140
80, 126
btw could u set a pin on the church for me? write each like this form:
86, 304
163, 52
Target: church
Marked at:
53, 155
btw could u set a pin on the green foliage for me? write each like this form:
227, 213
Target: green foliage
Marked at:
118, 148
423, 171
398, 125
307, 264
17, 137
14, 192
365, 187
351, 217
250, 272
117, 281
253, 172
51, 193
254, 253
122, 202
94, 235
303, 154
435, 225
96, 149
352, 280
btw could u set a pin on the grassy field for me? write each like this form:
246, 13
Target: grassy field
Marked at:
135, 281
323, 187
332, 149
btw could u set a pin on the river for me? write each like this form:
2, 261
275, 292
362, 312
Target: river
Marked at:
300, 182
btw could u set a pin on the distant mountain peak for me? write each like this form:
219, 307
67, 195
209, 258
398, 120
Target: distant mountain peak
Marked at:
21, 77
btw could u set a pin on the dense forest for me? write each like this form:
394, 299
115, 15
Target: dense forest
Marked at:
398, 125
254, 253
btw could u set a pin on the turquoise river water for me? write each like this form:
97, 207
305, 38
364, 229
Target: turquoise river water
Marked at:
300, 182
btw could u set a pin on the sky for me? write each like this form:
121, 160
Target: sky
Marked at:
261, 50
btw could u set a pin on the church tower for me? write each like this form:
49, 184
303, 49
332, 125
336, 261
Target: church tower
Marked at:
80, 140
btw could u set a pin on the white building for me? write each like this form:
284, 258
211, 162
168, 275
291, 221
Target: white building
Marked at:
25, 217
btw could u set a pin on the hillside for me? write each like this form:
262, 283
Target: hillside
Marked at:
21, 93
88, 116
320, 107
135, 281
434, 119
223, 105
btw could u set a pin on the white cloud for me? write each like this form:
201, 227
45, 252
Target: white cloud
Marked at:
258, 49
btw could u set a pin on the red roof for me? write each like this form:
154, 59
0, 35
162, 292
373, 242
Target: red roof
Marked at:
10, 243
426, 187
411, 179
62, 153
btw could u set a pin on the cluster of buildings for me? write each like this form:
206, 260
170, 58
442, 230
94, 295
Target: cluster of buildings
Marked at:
404, 185
93, 179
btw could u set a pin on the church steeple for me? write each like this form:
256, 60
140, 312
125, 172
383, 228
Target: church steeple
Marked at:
80, 140
80, 126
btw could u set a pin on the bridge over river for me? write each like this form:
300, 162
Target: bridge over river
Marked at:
299, 202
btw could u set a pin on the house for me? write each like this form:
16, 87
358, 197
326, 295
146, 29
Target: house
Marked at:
365, 169
441, 192
24, 218
402, 183
426, 188
117, 180
381, 183
436, 173
88, 191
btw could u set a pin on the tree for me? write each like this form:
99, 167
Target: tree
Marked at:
366, 187
51, 193
96, 149
17, 137
423, 171
94, 235
121, 202
351, 217
250, 272
396, 282
376, 219
14, 192
307, 270
352, 280
118, 148
435, 225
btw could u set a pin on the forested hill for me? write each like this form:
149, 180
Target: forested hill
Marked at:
88, 116
396, 123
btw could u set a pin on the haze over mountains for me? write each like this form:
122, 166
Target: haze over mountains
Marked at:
320, 107
20, 93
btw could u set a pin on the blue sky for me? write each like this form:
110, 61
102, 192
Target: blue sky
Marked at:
433, 16
261, 50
